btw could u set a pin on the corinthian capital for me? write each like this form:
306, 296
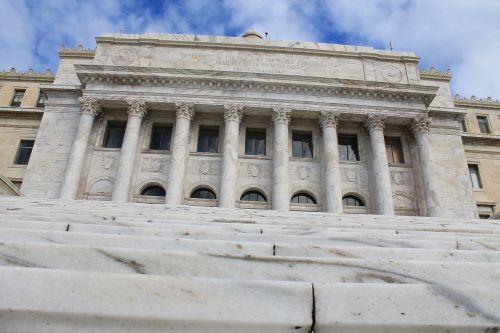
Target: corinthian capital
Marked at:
137, 108
185, 110
375, 121
281, 115
90, 105
234, 112
329, 119
420, 124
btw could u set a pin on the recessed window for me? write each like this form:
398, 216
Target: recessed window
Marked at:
394, 150
482, 121
115, 131
161, 136
475, 178
302, 145
303, 198
18, 97
24, 152
352, 201
253, 196
255, 142
348, 148
41, 101
208, 139
154, 191
203, 193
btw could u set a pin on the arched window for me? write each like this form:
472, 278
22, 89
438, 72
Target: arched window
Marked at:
253, 196
154, 191
303, 198
203, 193
351, 200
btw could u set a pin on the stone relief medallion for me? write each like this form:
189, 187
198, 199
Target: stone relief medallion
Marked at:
400, 178
108, 162
125, 56
204, 168
391, 74
152, 164
253, 170
350, 175
302, 172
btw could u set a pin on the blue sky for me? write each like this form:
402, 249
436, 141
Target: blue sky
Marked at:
463, 35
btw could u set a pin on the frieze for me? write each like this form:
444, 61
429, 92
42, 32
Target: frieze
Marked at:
124, 56
206, 168
391, 73
154, 164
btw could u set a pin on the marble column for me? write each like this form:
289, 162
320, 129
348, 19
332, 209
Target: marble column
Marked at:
380, 167
281, 192
331, 167
420, 128
232, 117
137, 110
90, 108
180, 152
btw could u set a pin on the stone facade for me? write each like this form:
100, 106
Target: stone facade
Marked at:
232, 85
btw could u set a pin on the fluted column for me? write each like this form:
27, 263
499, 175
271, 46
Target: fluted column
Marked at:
232, 117
331, 166
90, 108
383, 191
281, 192
136, 112
420, 128
180, 150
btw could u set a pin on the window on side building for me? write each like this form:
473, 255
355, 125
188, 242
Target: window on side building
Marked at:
161, 136
115, 131
18, 97
24, 152
41, 101
394, 150
348, 148
302, 145
255, 142
208, 139
482, 121
475, 178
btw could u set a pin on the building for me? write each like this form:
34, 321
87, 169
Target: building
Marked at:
156, 131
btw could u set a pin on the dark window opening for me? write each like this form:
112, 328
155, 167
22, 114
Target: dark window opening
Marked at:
115, 132
18, 97
24, 152
253, 196
351, 200
41, 100
302, 145
394, 150
348, 148
303, 198
154, 191
255, 142
208, 140
203, 193
463, 125
482, 121
475, 178
161, 137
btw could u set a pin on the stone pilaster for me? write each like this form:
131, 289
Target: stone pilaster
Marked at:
331, 166
232, 117
281, 193
380, 168
90, 108
137, 110
420, 129
180, 152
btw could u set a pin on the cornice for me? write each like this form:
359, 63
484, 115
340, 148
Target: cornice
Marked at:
475, 102
29, 75
76, 52
269, 83
435, 74
481, 139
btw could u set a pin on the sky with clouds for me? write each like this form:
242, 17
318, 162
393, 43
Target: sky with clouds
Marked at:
463, 35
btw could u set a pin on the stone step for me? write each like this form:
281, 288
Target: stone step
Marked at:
238, 267
244, 248
435, 241
57, 301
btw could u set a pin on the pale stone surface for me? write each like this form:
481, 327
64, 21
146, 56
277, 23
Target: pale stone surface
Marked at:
281, 192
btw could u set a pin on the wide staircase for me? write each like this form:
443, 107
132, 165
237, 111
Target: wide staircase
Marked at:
92, 266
